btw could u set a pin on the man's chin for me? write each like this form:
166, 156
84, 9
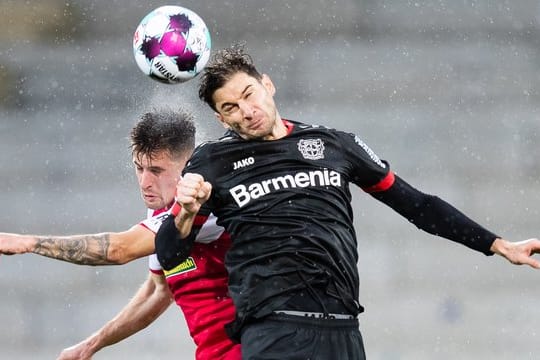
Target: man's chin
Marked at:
154, 204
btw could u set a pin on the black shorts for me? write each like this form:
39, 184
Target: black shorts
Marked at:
290, 337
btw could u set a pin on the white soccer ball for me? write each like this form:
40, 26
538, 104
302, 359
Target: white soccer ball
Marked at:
171, 44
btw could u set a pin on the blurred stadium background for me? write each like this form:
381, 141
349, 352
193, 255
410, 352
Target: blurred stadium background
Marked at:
446, 91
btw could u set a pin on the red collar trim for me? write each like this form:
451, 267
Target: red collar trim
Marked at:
289, 125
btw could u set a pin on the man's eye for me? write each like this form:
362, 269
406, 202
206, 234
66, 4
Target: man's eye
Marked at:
230, 109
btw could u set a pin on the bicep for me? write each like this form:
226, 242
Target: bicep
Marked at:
132, 244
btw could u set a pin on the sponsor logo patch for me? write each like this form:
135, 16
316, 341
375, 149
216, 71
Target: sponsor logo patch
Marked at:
187, 266
243, 194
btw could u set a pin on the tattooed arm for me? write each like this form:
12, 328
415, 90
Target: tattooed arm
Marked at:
91, 249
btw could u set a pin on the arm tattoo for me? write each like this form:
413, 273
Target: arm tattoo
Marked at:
81, 249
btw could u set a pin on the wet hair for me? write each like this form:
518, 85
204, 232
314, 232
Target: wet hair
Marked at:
224, 64
164, 130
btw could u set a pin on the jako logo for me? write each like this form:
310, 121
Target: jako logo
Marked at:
243, 163
243, 194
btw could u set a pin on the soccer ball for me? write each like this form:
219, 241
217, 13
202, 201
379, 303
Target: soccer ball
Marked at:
171, 44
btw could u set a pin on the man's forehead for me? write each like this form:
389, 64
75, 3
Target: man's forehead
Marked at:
240, 80
234, 88
157, 158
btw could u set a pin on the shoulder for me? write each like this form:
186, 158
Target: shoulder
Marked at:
300, 127
208, 146
323, 133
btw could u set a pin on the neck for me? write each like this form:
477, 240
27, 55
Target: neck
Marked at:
279, 130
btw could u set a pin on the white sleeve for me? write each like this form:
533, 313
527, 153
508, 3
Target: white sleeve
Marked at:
154, 222
210, 231
153, 263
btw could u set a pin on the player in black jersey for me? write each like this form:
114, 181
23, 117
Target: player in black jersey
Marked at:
281, 188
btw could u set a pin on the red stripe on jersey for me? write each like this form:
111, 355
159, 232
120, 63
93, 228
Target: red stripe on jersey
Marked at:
200, 220
382, 185
175, 209
159, 211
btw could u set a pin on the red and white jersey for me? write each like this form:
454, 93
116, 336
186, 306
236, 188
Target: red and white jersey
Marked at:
200, 287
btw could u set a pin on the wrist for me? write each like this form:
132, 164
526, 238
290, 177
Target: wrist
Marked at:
184, 222
499, 246
29, 243
93, 344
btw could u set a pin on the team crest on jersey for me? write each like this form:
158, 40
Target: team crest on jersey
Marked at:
184, 267
311, 149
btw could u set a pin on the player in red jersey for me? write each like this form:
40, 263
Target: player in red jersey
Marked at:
199, 287
161, 143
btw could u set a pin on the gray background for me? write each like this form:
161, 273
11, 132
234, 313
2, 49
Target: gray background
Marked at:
446, 91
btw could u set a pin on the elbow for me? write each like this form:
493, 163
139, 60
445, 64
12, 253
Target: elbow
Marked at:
118, 255
128, 246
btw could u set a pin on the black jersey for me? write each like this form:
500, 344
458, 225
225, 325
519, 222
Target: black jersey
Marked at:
287, 205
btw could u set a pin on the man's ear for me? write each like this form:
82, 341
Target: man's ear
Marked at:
268, 84
220, 119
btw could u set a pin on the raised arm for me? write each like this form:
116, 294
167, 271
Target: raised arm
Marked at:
90, 249
175, 237
192, 192
436, 216
150, 301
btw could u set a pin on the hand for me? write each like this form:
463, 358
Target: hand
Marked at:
192, 191
81, 351
15, 244
518, 253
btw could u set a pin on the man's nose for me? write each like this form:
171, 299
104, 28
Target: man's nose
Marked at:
246, 108
146, 179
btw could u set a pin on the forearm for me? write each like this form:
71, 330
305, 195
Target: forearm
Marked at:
436, 216
171, 248
145, 307
79, 249
110, 248
184, 223
446, 221
128, 322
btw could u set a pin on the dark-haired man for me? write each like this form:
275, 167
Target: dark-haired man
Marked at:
281, 189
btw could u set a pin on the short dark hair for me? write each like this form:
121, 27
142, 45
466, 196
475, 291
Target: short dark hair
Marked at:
224, 64
164, 129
